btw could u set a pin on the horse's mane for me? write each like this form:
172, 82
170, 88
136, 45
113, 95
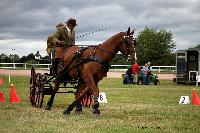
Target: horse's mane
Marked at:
120, 34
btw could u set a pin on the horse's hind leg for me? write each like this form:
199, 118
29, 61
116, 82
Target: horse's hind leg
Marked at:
50, 102
79, 95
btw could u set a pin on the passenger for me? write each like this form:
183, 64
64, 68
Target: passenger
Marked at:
50, 44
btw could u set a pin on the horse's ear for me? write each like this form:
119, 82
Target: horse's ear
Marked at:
128, 31
132, 32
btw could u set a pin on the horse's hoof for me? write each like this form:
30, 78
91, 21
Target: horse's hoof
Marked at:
48, 107
79, 111
66, 112
96, 112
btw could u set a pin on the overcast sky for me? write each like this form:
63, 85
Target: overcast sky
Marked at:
25, 24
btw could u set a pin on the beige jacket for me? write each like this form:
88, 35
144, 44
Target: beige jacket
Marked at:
63, 35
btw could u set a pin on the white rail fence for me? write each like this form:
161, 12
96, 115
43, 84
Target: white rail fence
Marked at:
169, 69
121, 68
22, 65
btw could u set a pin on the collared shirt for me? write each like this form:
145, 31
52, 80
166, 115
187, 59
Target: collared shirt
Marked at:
145, 69
69, 31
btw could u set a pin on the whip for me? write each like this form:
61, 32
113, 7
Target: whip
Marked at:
86, 34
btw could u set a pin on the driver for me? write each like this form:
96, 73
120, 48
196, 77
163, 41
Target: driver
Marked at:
63, 38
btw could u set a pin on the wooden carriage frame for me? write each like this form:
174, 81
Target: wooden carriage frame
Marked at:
42, 84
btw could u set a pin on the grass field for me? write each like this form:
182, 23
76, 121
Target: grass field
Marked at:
130, 108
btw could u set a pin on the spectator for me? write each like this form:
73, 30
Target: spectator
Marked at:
37, 57
135, 71
145, 74
128, 76
149, 73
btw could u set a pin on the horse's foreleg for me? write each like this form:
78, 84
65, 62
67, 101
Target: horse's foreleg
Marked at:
56, 88
96, 102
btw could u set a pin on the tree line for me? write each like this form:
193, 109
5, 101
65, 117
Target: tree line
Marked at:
14, 58
155, 46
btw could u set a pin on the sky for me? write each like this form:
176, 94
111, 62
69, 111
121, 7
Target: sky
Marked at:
25, 24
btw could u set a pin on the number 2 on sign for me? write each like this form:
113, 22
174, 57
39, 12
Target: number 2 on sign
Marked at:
183, 100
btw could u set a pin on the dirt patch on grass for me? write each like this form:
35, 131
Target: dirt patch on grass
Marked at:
109, 74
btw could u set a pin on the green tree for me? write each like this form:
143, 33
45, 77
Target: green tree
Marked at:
22, 59
14, 57
45, 60
4, 58
31, 59
195, 47
31, 56
155, 46
119, 59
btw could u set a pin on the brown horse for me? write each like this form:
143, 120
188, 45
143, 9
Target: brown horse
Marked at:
89, 65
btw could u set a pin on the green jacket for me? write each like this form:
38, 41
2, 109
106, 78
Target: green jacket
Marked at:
62, 35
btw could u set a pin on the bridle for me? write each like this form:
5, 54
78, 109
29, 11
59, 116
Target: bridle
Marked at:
128, 40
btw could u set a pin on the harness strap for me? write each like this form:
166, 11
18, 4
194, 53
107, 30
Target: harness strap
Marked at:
80, 60
78, 56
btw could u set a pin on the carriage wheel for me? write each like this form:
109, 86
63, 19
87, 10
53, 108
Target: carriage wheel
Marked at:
39, 91
32, 86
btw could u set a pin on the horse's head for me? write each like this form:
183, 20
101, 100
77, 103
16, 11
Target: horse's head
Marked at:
127, 45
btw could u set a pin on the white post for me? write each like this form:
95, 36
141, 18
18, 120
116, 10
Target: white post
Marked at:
9, 77
13, 57
13, 65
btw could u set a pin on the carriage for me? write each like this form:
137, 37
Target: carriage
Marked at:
42, 84
82, 69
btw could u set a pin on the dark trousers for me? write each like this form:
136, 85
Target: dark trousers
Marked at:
145, 79
55, 64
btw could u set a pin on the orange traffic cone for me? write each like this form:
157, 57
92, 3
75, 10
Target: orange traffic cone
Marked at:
89, 101
1, 81
13, 95
195, 98
1, 97
84, 100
